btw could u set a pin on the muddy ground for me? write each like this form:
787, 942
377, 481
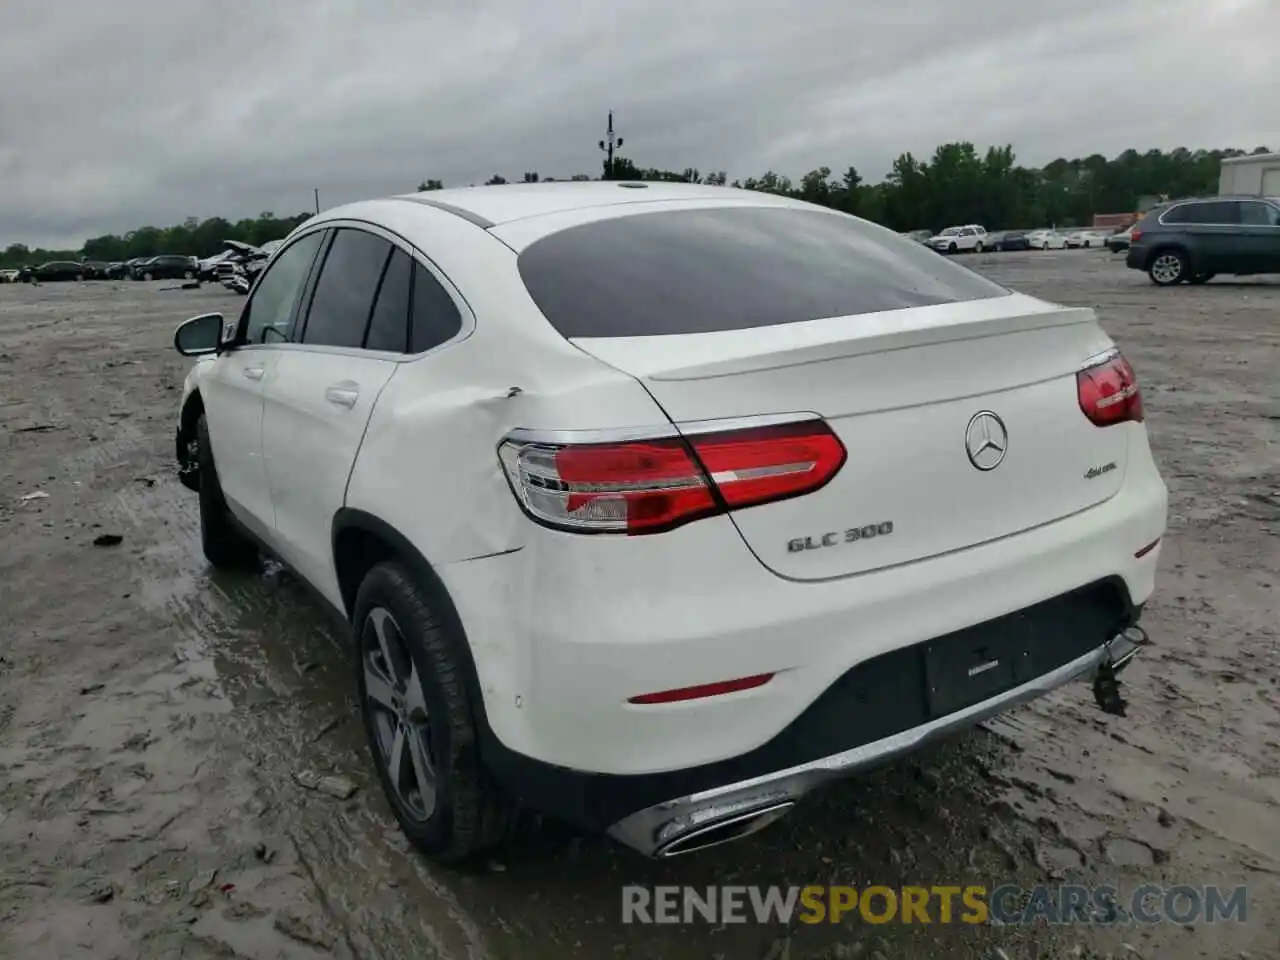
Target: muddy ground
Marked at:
155, 717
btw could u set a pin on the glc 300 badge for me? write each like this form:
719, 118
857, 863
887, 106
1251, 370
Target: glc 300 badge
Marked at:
837, 537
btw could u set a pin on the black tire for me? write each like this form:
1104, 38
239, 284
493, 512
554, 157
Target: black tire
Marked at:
224, 545
979, 248
1200, 278
188, 275
951, 248
468, 813
147, 276
1168, 267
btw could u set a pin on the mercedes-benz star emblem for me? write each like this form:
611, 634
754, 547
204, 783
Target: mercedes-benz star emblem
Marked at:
986, 440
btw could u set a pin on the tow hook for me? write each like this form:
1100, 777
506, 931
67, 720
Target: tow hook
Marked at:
1120, 651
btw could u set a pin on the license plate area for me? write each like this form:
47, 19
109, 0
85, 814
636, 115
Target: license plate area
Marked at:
970, 666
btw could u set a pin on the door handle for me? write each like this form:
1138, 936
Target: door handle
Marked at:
343, 394
253, 373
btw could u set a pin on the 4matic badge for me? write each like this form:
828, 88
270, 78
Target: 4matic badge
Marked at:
837, 537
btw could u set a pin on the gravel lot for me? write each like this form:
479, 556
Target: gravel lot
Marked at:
154, 717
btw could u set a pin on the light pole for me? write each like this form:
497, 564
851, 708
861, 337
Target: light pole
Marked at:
607, 146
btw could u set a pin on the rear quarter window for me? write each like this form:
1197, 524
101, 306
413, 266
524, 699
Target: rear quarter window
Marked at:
713, 269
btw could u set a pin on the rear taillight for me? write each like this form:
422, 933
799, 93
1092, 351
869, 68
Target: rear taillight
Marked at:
1108, 391
653, 484
1135, 235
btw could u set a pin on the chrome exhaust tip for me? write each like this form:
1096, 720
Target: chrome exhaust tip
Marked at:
1123, 647
724, 830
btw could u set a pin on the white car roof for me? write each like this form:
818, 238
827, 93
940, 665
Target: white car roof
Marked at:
519, 201
519, 214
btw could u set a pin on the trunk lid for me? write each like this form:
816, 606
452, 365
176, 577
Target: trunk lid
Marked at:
915, 395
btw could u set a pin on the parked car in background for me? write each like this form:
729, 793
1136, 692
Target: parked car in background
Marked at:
972, 518
54, 271
241, 261
130, 265
116, 270
1014, 240
1118, 242
208, 267
1092, 239
94, 269
1046, 240
971, 238
1194, 240
167, 267
9, 275
919, 236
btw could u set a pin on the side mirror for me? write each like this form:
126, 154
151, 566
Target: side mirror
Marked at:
199, 336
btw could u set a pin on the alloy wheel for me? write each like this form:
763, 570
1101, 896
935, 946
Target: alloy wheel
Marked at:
1167, 268
398, 714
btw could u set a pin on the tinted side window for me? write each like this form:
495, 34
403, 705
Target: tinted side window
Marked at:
435, 316
389, 325
343, 297
274, 299
1257, 214
1216, 212
704, 270
1178, 214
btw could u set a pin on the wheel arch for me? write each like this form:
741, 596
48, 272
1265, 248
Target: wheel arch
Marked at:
192, 409
360, 542
1165, 246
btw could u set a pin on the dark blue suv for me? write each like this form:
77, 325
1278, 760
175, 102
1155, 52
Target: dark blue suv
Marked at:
1196, 239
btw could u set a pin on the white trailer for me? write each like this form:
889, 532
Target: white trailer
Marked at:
1257, 176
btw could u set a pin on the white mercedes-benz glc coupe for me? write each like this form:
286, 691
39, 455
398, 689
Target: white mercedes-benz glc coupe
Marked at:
652, 506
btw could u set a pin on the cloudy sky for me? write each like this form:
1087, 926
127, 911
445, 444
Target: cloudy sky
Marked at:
118, 114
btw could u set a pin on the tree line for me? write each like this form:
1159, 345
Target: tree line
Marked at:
958, 184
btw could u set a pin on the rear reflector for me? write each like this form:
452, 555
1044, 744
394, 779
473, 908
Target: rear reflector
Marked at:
1108, 392
1147, 549
650, 485
704, 690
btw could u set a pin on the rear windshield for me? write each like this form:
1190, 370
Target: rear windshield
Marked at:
705, 270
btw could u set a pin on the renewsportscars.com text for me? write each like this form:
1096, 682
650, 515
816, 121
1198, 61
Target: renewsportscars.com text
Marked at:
973, 904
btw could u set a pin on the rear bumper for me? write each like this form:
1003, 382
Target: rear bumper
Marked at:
1136, 258
878, 710
689, 821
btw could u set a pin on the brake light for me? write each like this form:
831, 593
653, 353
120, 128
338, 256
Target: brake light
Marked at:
654, 484
1108, 391
1135, 235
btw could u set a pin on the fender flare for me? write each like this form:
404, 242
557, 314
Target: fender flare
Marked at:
348, 520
